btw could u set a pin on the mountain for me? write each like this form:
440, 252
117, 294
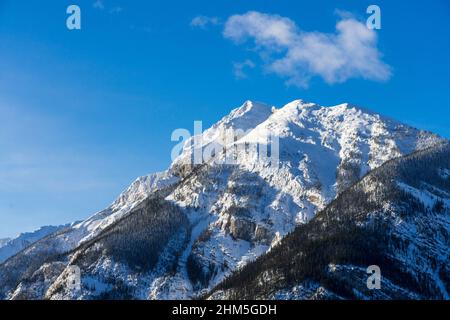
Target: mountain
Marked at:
179, 233
397, 217
9, 247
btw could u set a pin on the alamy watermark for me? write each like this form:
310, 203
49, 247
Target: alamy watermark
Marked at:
73, 281
374, 280
374, 20
73, 21
225, 146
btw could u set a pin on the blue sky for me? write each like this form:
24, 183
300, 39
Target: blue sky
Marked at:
85, 112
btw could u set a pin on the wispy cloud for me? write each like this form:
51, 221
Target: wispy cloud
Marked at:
298, 55
204, 21
239, 68
98, 4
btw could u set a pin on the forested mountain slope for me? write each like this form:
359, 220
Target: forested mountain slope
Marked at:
397, 217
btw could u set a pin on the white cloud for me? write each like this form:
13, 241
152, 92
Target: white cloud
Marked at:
239, 68
297, 55
98, 4
204, 21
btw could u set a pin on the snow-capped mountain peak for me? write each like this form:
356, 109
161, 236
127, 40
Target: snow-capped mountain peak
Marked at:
249, 115
226, 215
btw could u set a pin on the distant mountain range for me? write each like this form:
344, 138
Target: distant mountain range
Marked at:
4, 241
9, 247
351, 187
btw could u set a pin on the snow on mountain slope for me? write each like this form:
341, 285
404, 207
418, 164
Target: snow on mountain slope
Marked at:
135, 194
9, 247
397, 217
229, 213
